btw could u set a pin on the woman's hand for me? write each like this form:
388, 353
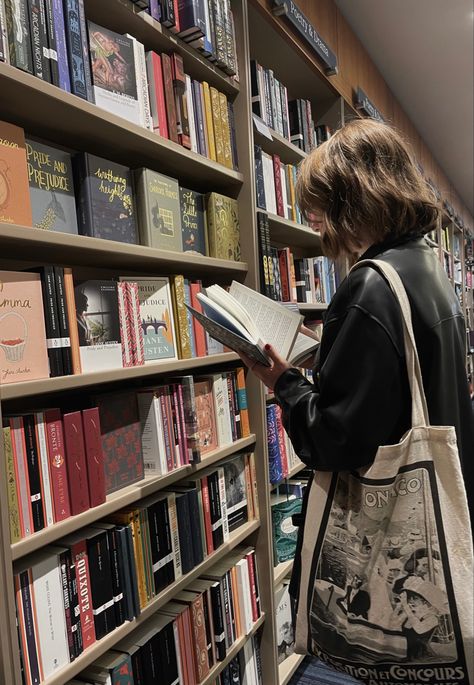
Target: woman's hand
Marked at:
267, 374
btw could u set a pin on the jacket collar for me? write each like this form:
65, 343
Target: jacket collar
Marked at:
388, 243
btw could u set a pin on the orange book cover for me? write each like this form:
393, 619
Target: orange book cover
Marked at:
15, 205
243, 406
236, 602
23, 354
71, 315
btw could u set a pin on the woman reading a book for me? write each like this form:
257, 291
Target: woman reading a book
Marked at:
364, 194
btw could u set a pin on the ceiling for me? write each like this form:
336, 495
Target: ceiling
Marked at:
425, 51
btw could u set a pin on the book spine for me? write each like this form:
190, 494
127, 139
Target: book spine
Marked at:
225, 131
51, 321
217, 125
185, 533
199, 333
176, 550
12, 487
4, 51
133, 569
101, 585
181, 314
216, 510
169, 98
268, 251
142, 85
186, 455
242, 402
137, 333
39, 39
74, 48
199, 118
176, 404
154, 9
63, 320
191, 421
278, 188
259, 178
125, 325
209, 122
281, 441
253, 473
21, 474
94, 456
200, 643
159, 555
191, 19
76, 462
167, 429
57, 465
256, 95
230, 66
42, 444
52, 42
233, 136
28, 628
125, 575
223, 503
218, 620
191, 113
18, 32
274, 459
84, 36
71, 318
65, 571
34, 472
116, 576
81, 564
264, 277
206, 503
61, 46
168, 18
189, 316
221, 52
232, 376
158, 100
179, 87
200, 89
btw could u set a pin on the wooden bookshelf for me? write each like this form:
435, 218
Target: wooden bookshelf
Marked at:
282, 571
288, 668
286, 232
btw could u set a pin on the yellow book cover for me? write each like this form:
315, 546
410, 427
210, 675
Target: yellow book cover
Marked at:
12, 494
225, 131
223, 227
131, 517
289, 171
236, 602
209, 122
145, 540
181, 318
217, 120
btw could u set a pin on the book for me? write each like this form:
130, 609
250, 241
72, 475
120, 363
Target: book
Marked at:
242, 319
275, 465
156, 318
121, 441
57, 464
223, 227
183, 327
18, 34
193, 221
94, 455
205, 412
51, 185
105, 207
43, 458
142, 83
284, 622
156, 93
114, 73
171, 114
236, 492
50, 310
284, 534
76, 462
55, 11
101, 581
159, 215
15, 206
4, 51
12, 487
39, 40
198, 330
98, 326
179, 87
75, 52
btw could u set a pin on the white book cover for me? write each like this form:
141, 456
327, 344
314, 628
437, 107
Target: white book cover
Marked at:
244, 592
227, 413
269, 183
249, 676
192, 122
173, 517
149, 410
44, 464
284, 622
142, 83
52, 631
223, 499
114, 73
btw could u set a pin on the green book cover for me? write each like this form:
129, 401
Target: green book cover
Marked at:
159, 213
12, 495
284, 532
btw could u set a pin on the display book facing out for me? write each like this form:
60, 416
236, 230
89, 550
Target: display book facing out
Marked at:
246, 321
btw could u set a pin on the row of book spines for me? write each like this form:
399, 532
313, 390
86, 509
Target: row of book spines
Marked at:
275, 186
55, 468
281, 455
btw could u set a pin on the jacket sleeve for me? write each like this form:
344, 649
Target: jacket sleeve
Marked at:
338, 423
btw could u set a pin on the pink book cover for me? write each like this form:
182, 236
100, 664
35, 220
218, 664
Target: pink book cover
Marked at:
23, 353
138, 347
125, 325
205, 415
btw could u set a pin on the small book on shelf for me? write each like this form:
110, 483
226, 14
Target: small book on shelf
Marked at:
245, 320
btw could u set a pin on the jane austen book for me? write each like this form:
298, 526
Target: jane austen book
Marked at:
158, 210
114, 73
97, 317
23, 354
193, 221
156, 318
15, 207
223, 227
51, 188
105, 207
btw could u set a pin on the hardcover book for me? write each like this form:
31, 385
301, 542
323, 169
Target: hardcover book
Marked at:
157, 93
223, 227
236, 491
206, 417
284, 532
183, 324
105, 207
51, 182
18, 33
39, 40
275, 466
23, 354
156, 316
193, 221
15, 207
121, 439
12, 489
114, 73
284, 622
158, 210
97, 316
76, 462
74, 46
94, 455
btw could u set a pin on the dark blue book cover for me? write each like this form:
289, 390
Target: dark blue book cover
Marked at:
193, 221
261, 202
39, 40
61, 46
72, 22
192, 22
85, 52
52, 42
274, 455
105, 206
199, 117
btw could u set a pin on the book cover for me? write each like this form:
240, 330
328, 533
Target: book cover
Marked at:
23, 351
179, 87
193, 221
98, 325
15, 207
169, 98
225, 131
76, 462
12, 489
57, 464
18, 33
64, 81
75, 50
156, 314
43, 456
39, 40
50, 309
157, 93
94, 456
121, 439
205, 414
105, 207
101, 581
159, 215
223, 227
217, 125
181, 317
284, 532
51, 185
274, 457
199, 332
114, 73
284, 622
236, 492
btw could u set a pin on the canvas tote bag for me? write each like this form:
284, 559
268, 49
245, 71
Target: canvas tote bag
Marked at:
386, 589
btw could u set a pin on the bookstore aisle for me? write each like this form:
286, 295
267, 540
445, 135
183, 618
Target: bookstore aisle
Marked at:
148, 150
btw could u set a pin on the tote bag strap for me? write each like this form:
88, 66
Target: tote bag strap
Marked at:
419, 409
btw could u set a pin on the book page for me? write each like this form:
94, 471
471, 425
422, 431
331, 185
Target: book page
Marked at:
276, 324
304, 346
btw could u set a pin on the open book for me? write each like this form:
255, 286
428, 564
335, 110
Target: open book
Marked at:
245, 321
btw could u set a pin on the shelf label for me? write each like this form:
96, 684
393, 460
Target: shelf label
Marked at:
304, 27
363, 104
261, 127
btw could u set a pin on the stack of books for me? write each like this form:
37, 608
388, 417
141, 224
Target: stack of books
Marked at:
282, 457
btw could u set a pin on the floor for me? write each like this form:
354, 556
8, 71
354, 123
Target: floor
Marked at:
313, 672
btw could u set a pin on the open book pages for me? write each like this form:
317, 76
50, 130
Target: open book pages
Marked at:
303, 348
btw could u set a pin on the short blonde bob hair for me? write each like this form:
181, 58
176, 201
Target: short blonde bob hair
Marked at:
367, 187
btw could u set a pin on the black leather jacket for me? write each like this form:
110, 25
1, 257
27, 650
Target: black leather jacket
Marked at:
360, 398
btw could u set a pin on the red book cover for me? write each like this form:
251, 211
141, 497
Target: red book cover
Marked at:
207, 514
253, 586
76, 462
278, 188
167, 427
94, 456
57, 464
157, 93
169, 97
200, 642
199, 333
189, 645
282, 442
79, 555
21, 475
284, 274
179, 85
177, 26
175, 404
182, 420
